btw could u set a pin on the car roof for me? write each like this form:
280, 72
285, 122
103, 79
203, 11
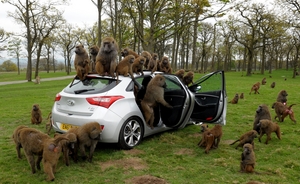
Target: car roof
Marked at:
121, 77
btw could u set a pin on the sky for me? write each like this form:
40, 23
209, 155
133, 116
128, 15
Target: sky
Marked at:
78, 13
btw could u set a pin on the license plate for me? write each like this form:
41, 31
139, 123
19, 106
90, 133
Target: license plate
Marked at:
66, 127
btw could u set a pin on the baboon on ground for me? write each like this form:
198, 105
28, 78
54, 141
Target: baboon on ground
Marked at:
283, 111
148, 58
16, 139
49, 123
37, 80
106, 58
247, 159
138, 64
282, 97
203, 127
210, 137
255, 88
154, 95
247, 137
80, 55
125, 52
235, 99
263, 81
165, 65
67, 145
93, 54
242, 96
217, 132
207, 141
180, 74
188, 78
125, 66
88, 136
267, 127
262, 112
36, 114
273, 85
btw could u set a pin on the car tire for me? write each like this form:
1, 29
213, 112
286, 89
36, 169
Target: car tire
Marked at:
131, 133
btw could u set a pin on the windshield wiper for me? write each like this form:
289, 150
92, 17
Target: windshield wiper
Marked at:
82, 91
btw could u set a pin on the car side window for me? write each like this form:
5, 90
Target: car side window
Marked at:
172, 83
210, 83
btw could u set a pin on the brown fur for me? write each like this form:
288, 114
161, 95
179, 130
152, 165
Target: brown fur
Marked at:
88, 136
156, 58
154, 94
106, 58
67, 145
81, 55
203, 128
217, 132
125, 52
235, 99
165, 65
180, 74
263, 81
255, 88
49, 123
242, 96
16, 139
282, 97
37, 80
247, 137
36, 114
125, 66
273, 85
283, 111
152, 66
32, 142
247, 159
267, 127
188, 78
138, 64
82, 70
207, 140
262, 112
148, 57
93, 54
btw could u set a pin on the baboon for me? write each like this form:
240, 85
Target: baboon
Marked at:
263, 81
49, 123
247, 159
255, 88
32, 143
165, 65
16, 139
283, 111
153, 62
148, 57
180, 74
67, 145
267, 127
203, 127
207, 140
36, 114
156, 58
82, 71
125, 66
106, 58
51, 153
282, 97
188, 78
138, 64
125, 52
273, 85
81, 55
217, 132
247, 137
235, 99
262, 112
88, 136
37, 80
242, 96
154, 94
93, 54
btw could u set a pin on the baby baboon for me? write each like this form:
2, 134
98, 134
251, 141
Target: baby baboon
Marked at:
37, 80
36, 114
263, 81
247, 159
125, 52
153, 62
165, 65
148, 58
154, 94
235, 99
106, 58
16, 139
267, 127
188, 78
282, 97
255, 88
80, 55
32, 142
49, 123
88, 136
138, 64
242, 96
93, 54
180, 74
125, 66
67, 145
273, 85
262, 112
283, 111
247, 137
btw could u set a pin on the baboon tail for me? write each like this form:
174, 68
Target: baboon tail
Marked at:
291, 106
234, 142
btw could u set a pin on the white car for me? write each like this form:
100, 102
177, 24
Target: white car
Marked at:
113, 105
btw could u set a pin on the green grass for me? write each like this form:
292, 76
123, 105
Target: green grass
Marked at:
172, 156
13, 76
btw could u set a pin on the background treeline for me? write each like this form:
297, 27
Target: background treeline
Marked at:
198, 35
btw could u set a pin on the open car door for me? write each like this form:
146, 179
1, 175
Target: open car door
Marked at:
210, 99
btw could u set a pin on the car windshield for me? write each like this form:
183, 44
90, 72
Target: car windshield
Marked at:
91, 86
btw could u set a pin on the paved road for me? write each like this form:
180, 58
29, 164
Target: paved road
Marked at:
45, 79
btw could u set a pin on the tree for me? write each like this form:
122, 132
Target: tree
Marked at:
14, 49
3, 37
9, 66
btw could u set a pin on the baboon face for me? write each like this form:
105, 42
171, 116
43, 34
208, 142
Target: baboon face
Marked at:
79, 49
131, 59
165, 60
35, 107
124, 52
155, 56
247, 149
261, 109
109, 45
204, 127
94, 50
142, 60
284, 93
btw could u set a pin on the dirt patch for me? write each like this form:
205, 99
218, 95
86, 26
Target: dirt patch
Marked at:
133, 152
184, 151
146, 179
127, 163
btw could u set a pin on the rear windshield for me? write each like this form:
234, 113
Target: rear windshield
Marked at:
90, 86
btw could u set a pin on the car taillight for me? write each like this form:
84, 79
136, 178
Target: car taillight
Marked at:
57, 97
103, 101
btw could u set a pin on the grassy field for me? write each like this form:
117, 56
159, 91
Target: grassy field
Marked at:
170, 157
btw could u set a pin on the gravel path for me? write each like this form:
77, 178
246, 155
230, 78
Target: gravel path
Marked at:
46, 79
